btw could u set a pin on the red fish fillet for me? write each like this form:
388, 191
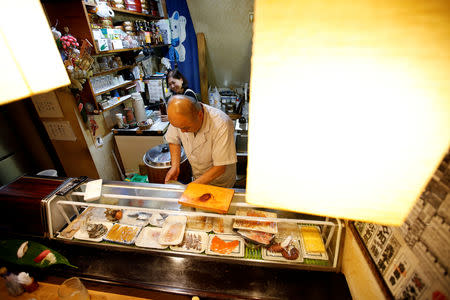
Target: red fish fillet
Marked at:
220, 246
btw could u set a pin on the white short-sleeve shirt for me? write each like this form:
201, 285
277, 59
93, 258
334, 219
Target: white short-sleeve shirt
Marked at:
213, 145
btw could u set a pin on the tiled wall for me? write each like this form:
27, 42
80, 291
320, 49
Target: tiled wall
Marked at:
228, 34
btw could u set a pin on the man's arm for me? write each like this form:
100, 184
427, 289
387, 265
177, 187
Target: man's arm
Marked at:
223, 153
211, 174
175, 156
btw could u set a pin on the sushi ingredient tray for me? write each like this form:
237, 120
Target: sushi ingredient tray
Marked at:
135, 218
267, 254
223, 226
157, 219
93, 231
76, 224
123, 234
259, 237
173, 230
95, 214
312, 243
225, 245
193, 241
199, 223
148, 238
287, 229
269, 227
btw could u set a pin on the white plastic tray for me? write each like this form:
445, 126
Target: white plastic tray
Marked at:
237, 252
268, 255
127, 220
96, 214
200, 226
131, 242
203, 236
165, 237
82, 234
227, 225
148, 238
311, 255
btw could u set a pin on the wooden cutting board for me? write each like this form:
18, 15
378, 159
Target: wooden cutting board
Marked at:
218, 202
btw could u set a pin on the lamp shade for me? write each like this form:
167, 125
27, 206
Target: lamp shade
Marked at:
360, 93
30, 62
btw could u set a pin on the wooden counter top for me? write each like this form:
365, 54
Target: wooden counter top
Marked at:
49, 291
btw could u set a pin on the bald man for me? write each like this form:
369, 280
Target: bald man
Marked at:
207, 135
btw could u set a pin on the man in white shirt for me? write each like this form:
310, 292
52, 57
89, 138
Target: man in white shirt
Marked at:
207, 135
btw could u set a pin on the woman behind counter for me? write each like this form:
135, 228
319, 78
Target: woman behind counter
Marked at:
178, 84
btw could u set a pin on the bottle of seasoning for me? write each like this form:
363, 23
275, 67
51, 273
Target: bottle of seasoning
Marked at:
148, 39
162, 107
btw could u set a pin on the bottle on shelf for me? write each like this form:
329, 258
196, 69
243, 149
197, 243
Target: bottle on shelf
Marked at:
148, 39
156, 40
163, 110
140, 32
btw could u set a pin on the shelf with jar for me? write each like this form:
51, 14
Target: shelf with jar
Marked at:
147, 8
127, 26
83, 23
113, 102
82, 20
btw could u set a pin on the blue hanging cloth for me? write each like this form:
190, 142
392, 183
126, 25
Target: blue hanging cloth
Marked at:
183, 50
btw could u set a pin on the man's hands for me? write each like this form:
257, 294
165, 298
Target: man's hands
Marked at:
175, 156
172, 174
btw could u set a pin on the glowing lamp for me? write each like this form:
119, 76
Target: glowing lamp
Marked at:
29, 59
350, 105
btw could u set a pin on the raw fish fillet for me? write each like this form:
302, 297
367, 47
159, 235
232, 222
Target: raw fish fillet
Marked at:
173, 232
220, 246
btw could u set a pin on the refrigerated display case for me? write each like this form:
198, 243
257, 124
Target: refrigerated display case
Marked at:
35, 212
70, 219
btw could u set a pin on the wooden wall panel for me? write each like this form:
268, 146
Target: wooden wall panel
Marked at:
203, 68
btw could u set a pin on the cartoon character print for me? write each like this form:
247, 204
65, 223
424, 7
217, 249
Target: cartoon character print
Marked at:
177, 52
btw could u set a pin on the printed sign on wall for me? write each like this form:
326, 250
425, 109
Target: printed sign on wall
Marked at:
47, 105
60, 130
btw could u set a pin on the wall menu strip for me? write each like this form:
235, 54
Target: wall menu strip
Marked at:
412, 261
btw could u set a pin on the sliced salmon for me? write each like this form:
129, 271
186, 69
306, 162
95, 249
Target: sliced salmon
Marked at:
220, 246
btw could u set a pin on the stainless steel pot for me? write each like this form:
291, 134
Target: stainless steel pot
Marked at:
158, 163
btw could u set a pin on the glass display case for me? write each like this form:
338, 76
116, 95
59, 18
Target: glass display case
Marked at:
148, 218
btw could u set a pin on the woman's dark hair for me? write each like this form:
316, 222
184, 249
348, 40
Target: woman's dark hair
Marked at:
177, 75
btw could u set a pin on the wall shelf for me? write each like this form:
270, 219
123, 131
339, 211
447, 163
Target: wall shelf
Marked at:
117, 51
128, 49
111, 71
121, 100
125, 11
114, 87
